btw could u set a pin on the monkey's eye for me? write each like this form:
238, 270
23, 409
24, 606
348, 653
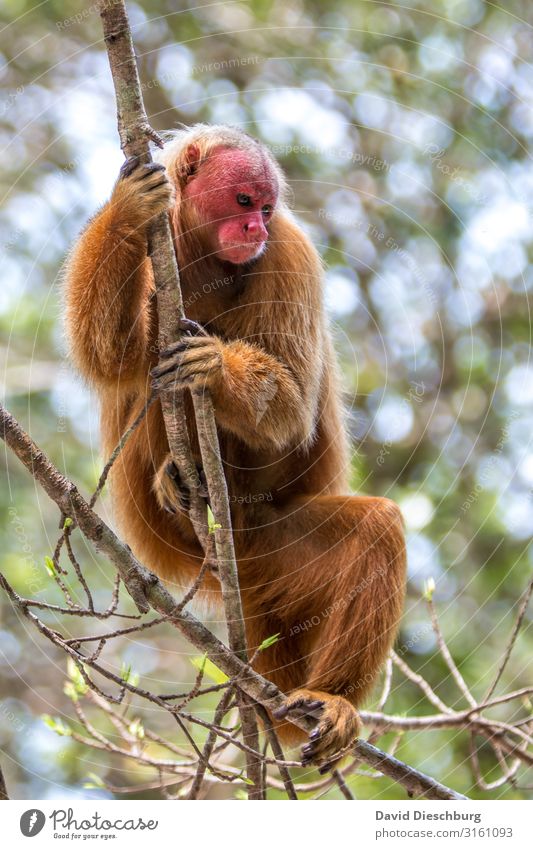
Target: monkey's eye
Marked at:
267, 209
244, 200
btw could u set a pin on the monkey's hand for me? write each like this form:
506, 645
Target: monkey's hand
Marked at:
338, 725
171, 491
195, 363
142, 191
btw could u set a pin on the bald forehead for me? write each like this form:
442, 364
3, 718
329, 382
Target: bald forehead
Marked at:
235, 166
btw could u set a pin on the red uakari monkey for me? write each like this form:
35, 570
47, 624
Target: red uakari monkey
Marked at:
323, 568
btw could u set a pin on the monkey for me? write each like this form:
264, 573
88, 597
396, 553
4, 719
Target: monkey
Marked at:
320, 568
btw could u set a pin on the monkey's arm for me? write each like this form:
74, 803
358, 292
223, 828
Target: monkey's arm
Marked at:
263, 399
257, 396
264, 386
108, 278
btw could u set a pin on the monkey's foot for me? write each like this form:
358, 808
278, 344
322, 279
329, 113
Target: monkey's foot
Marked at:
338, 725
172, 493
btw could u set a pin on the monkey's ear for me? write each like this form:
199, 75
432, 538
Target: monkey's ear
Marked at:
190, 161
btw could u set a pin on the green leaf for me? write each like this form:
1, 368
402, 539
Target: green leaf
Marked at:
211, 524
429, 589
70, 690
242, 775
269, 642
94, 782
78, 681
208, 668
241, 795
57, 725
67, 523
136, 728
50, 566
128, 675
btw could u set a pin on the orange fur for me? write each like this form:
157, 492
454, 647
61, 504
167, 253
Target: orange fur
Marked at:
322, 568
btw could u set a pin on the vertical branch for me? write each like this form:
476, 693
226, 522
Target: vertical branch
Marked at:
135, 133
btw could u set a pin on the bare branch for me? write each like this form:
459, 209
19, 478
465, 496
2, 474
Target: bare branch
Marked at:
445, 652
512, 640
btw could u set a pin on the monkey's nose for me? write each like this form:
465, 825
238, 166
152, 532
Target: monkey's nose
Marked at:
255, 229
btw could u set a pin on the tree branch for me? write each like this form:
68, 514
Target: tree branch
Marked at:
135, 133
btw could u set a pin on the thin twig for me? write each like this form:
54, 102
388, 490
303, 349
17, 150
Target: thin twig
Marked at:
445, 652
512, 640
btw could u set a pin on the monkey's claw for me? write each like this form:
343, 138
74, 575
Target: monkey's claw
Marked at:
337, 727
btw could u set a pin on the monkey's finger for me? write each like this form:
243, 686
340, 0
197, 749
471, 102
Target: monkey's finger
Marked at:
153, 183
172, 471
149, 169
326, 767
184, 344
312, 708
208, 355
315, 753
314, 705
317, 738
195, 343
192, 327
172, 364
176, 382
314, 748
282, 712
176, 491
197, 368
157, 182
325, 747
308, 713
129, 166
206, 359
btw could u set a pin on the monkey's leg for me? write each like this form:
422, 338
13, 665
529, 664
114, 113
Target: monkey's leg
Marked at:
336, 573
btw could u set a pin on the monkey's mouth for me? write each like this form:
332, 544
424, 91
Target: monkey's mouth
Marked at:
238, 254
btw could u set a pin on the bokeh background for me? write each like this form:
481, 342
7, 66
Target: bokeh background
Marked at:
404, 129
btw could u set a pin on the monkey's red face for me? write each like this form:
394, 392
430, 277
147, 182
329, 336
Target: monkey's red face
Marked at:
235, 194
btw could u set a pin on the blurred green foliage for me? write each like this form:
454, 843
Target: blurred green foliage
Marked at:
405, 131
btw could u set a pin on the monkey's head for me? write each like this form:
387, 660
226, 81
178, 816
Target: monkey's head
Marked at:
229, 187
